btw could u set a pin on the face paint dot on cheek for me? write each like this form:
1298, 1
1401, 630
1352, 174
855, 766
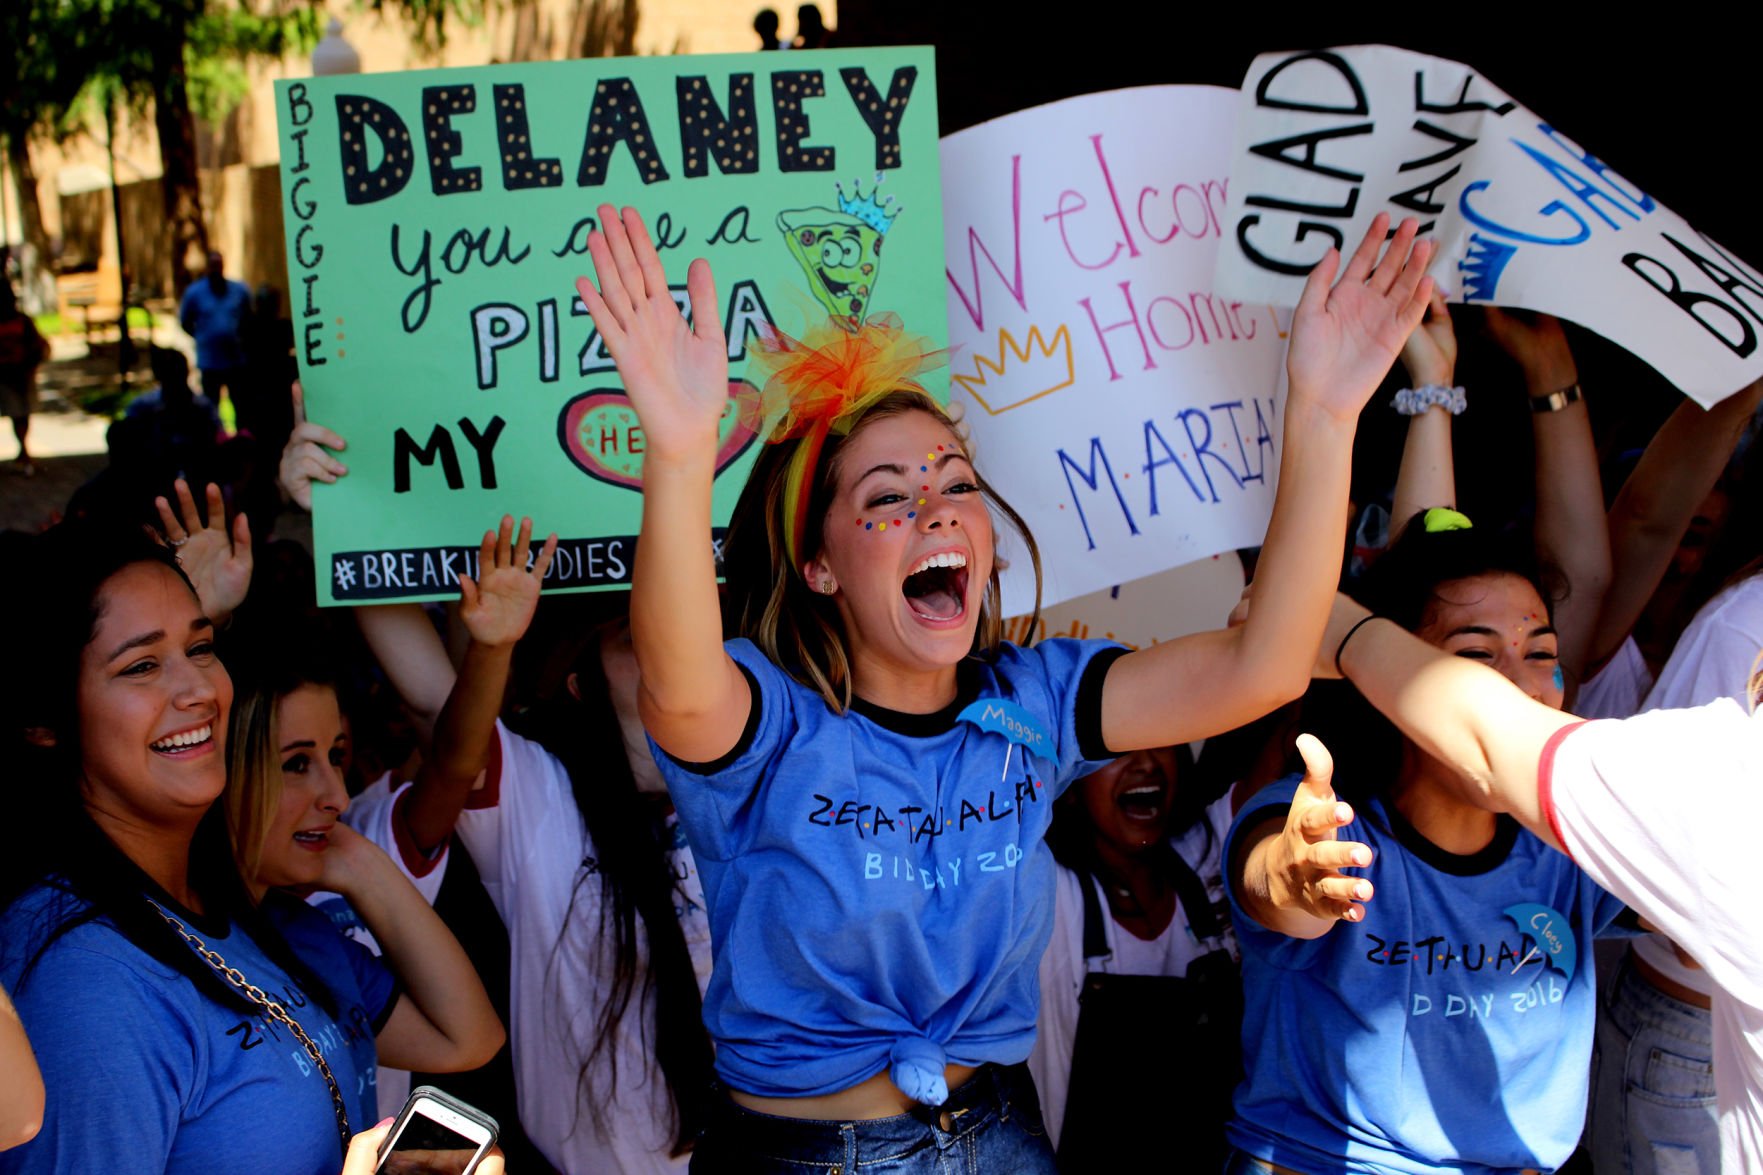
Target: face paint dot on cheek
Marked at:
1560, 678
912, 514
883, 526
869, 526
924, 469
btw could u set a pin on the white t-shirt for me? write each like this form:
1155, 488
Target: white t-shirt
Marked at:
370, 814
1712, 660
1618, 689
530, 847
1063, 967
1655, 809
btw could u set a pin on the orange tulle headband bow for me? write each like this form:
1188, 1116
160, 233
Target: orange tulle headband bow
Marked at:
823, 383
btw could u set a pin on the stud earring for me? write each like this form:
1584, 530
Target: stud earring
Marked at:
826, 587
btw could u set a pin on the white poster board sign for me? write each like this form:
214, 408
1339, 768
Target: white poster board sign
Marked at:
1127, 412
1523, 216
1195, 597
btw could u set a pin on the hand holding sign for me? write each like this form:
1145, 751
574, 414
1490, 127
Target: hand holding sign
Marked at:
305, 458
676, 373
1344, 338
498, 606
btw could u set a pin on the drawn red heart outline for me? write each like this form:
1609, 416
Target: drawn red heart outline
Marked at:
739, 431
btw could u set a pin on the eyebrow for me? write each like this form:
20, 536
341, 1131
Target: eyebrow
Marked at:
154, 637
299, 744
900, 470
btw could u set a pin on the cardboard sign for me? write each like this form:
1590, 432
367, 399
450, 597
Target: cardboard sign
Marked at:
437, 221
1523, 215
1130, 414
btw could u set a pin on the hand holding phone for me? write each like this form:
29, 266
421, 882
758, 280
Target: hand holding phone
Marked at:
436, 1134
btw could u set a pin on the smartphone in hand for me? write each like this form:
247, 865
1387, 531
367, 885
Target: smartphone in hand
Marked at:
436, 1134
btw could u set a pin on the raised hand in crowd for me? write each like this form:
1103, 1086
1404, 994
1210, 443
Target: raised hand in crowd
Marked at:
1346, 334
1289, 872
496, 609
217, 559
307, 458
676, 373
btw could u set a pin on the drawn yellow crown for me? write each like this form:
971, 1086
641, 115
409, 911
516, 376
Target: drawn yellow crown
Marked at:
1024, 371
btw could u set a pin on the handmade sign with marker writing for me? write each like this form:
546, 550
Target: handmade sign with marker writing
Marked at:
1523, 215
436, 223
1131, 415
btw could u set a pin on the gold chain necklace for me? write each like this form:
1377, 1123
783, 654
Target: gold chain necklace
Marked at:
271, 1008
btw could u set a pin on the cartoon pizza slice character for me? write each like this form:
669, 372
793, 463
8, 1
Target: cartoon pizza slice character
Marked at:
840, 251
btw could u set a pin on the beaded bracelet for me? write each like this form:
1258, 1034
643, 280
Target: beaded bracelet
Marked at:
1415, 401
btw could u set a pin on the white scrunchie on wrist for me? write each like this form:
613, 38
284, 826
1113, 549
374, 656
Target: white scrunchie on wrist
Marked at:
1415, 401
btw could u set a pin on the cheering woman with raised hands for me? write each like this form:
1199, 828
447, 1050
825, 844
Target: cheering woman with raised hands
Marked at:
865, 773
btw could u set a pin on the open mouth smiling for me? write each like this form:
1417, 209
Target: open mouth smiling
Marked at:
185, 742
834, 286
936, 589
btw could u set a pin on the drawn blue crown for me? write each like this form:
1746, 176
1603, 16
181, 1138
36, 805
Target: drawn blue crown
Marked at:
1481, 269
876, 214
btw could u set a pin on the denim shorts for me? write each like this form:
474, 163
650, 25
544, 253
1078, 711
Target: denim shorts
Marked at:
994, 1125
1652, 1099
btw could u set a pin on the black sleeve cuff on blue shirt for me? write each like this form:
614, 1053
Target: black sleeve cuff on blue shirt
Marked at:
741, 744
1088, 708
392, 998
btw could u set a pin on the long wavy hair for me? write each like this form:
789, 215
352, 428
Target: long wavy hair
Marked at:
630, 842
771, 604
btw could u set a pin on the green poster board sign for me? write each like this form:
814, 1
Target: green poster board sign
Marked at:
437, 221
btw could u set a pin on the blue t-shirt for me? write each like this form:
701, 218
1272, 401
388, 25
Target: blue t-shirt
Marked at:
145, 1073
216, 321
1432, 1036
878, 884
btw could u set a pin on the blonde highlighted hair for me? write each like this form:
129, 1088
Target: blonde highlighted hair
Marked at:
771, 604
253, 793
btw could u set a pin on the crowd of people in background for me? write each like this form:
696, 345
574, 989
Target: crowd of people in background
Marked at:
272, 861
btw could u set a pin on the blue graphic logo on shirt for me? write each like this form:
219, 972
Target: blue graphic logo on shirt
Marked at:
1553, 934
1011, 721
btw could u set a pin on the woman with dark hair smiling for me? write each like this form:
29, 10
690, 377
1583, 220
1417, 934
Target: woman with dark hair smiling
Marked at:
145, 972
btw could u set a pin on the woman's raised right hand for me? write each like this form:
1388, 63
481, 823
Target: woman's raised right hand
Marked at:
675, 373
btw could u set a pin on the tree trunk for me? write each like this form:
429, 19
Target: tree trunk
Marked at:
38, 292
181, 181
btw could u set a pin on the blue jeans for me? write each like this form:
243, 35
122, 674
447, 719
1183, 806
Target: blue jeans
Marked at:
994, 1125
1652, 1098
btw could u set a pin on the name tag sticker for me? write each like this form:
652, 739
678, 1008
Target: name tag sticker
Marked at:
1011, 721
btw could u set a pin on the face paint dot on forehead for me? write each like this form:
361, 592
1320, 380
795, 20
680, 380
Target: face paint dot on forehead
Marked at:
912, 514
921, 501
869, 526
924, 469
939, 448
883, 526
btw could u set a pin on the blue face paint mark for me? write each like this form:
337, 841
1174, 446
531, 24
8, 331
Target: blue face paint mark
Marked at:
869, 526
1560, 679
912, 514
924, 469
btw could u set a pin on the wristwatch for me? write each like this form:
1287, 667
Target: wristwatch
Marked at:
1555, 401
